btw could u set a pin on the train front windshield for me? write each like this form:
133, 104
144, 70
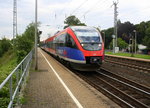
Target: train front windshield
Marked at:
90, 39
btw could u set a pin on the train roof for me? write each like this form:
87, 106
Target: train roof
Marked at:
75, 28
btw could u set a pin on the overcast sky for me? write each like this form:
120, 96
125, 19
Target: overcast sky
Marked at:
52, 13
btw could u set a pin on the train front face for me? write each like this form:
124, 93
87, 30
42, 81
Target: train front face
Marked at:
92, 47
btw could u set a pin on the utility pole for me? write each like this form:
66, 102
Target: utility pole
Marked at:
115, 22
14, 20
130, 45
36, 60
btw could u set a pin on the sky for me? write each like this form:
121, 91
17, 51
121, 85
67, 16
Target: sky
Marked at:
52, 13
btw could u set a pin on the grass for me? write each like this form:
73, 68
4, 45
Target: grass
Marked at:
143, 56
7, 63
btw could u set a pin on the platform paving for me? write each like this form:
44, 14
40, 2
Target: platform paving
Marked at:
44, 90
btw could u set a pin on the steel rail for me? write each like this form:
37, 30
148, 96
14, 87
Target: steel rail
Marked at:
136, 88
106, 92
136, 103
114, 93
147, 89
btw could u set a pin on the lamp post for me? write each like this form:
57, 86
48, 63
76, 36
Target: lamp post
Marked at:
130, 45
132, 55
36, 60
135, 39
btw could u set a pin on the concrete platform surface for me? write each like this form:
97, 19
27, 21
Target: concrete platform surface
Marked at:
54, 86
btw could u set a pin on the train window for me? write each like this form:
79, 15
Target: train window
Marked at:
70, 42
56, 39
51, 44
48, 44
60, 40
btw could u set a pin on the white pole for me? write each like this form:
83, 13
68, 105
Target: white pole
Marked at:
113, 36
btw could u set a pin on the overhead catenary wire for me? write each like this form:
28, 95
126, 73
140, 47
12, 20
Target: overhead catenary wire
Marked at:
82, 5
94, 6
73, 10
61, 13
68, 3
78, 7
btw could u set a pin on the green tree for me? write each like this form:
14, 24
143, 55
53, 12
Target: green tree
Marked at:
22, 46
30, 32
140, 28
124, 30
121, 44
108, 36
146, 40
73, 21
25, 42
141, 31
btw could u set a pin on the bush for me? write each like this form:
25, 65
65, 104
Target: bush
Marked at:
22, 46
25, 42
4, 102
5, 45
121, 44
20, 55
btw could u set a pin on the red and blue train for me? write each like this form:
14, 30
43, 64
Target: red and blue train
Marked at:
81, 47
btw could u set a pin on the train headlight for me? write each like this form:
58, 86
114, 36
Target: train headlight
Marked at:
100, 46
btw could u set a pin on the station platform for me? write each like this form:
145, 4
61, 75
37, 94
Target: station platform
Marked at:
54, 86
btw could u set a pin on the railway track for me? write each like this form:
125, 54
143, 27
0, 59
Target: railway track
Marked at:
133, 63
126, 93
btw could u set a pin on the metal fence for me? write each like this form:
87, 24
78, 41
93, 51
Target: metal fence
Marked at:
16, 79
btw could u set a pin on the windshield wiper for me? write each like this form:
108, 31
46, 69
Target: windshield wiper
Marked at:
90, 42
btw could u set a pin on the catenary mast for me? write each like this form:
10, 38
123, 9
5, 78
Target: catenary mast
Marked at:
115, 22
14, 20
